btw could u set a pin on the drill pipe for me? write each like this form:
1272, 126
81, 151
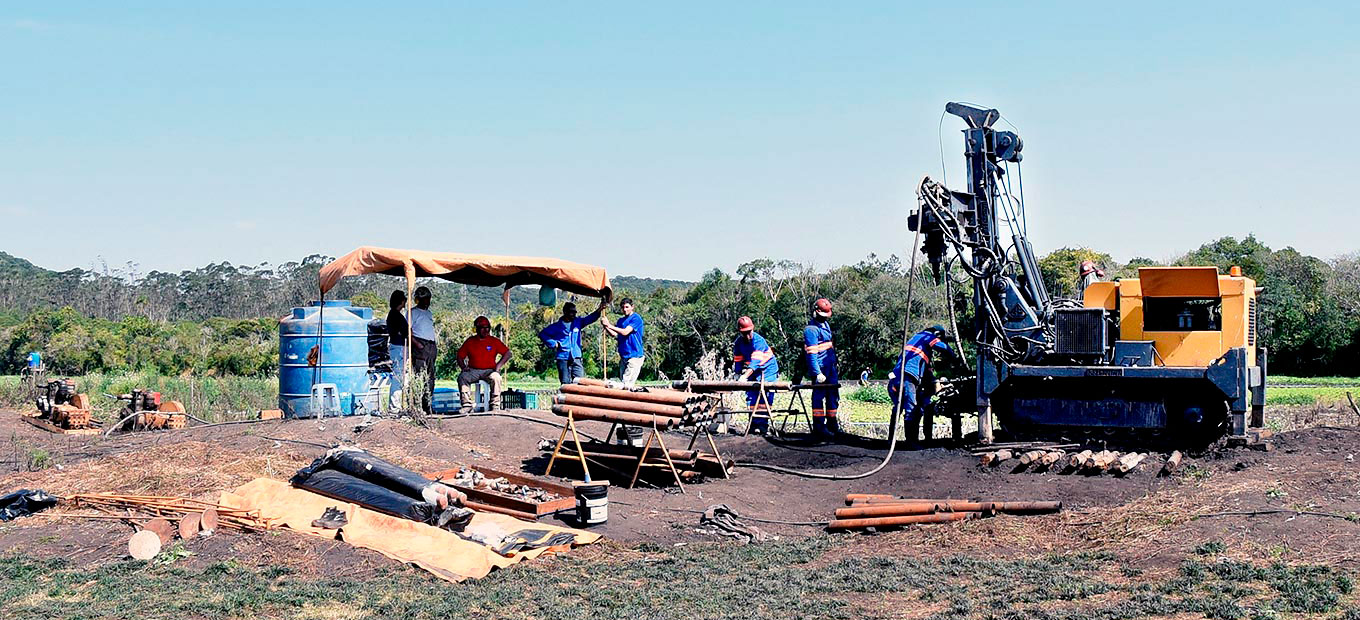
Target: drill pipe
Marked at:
923, 508
729, 386
663, 397
627, 406
850, 497
880, 501
943, 517
606, 415
589, 381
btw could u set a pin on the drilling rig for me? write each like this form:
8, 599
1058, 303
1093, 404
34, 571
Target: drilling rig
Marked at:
1169, 357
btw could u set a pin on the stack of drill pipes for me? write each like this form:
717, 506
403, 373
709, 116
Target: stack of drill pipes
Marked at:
688, 408
730, 386
924, 508
611, 416
663, 397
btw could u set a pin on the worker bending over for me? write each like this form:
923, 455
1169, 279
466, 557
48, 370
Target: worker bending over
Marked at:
914, 365
564, 337
481, 358
752, 360
821, 364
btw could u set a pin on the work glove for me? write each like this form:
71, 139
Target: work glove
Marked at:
821, 378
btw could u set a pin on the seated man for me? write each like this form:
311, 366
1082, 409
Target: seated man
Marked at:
478, 358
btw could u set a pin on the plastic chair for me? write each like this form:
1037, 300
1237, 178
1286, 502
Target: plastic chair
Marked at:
327, 396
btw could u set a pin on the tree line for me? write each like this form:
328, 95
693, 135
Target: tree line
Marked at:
222, 319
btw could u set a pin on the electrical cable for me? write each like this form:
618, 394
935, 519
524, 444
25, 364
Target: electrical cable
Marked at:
892, 422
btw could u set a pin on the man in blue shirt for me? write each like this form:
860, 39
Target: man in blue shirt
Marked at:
564, 338
629, 333
753, 360
914, 365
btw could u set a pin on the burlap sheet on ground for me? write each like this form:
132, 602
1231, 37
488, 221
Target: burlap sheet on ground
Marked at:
441, 552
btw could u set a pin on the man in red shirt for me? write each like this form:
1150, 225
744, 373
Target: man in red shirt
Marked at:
481, 357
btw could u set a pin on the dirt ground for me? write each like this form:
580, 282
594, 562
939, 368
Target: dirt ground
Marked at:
1155, 519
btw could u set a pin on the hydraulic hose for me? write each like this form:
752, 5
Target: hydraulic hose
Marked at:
892, 421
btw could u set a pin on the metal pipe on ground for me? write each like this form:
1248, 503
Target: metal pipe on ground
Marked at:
943, 517
627, 406
881, 501
922, 508
663, 397
607, 415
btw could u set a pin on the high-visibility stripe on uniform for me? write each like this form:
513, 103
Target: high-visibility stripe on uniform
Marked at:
761, 356
738, 358
818, 348
917, 352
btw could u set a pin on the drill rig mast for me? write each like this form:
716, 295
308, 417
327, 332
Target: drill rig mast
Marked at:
1116, 359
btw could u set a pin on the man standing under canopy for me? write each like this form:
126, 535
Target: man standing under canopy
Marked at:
423, 341
564, 338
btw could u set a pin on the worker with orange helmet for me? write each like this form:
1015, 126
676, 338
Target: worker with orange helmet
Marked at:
481, 358
820, 353
752, 360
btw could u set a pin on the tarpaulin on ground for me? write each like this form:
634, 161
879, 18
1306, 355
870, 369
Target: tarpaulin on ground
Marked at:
473, 269
441, 552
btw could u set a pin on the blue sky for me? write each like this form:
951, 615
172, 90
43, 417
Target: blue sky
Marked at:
659, 140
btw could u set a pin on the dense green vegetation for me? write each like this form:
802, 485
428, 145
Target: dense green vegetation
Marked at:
207, 321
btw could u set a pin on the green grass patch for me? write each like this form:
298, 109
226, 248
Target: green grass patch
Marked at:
785, 579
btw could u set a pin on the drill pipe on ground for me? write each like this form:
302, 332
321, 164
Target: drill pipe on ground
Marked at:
627, 406
923, 508
632, 451
662, 397
943, 517
880, 501
729, 386
608, 415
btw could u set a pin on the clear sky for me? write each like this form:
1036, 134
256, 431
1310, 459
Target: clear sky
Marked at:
659, 140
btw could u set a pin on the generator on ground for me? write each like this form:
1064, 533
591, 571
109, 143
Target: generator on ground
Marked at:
144, 409
59, 403
1172, 355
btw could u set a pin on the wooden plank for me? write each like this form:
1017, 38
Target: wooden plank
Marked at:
53, 428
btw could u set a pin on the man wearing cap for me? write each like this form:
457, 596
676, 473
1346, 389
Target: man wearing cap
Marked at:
423, 341
752, 360
629, 333
481, 358
821, 364
564, 338
914, 365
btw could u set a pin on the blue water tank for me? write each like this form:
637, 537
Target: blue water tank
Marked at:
343, 341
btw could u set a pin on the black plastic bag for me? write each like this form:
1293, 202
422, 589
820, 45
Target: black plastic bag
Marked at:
367, 467
25, 502
341, 485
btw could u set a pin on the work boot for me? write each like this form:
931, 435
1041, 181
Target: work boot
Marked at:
833, 426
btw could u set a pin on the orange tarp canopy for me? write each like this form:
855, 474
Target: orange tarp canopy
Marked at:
474, 269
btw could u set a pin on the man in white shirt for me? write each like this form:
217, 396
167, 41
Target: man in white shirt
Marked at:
423, 341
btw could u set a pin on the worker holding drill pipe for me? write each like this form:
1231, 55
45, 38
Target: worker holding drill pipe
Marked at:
820, 353
914, 365
628, 331
481, 358
564, 337
753, 360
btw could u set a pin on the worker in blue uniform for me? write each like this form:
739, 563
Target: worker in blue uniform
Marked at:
820, 353
914, 365
752, 360
564, 338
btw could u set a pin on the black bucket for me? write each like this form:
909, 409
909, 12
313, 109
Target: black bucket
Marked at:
592, 502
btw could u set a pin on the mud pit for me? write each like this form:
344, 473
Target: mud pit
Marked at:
1151, 518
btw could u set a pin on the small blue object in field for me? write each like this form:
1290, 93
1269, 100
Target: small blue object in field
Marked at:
34, 359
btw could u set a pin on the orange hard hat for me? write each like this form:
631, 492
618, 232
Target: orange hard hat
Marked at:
481, 322
823, 306
745, 324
